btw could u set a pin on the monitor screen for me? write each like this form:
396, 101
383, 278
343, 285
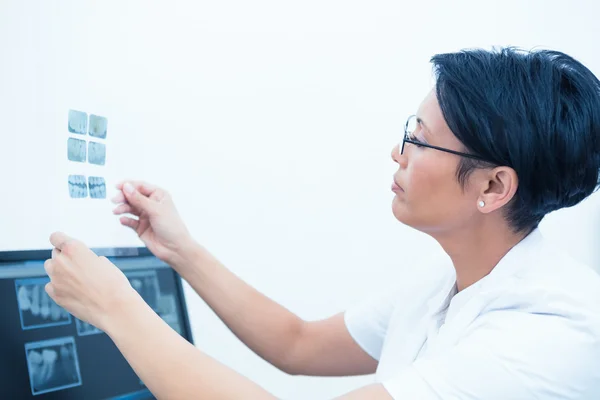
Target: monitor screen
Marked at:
49, 354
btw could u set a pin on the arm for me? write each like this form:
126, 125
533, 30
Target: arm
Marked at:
94, 290
172, 368
504, 354
271, 331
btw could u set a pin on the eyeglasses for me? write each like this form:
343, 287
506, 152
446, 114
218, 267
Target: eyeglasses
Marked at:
411, 127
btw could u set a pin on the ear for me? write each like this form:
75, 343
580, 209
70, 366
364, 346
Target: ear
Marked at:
499, 189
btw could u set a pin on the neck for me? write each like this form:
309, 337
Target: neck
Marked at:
475, 251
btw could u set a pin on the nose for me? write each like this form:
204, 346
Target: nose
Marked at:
396, 153
398, 158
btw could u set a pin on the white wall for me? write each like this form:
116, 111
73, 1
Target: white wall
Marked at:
270, 122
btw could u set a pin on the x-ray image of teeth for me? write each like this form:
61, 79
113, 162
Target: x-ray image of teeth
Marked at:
167, 310
96, 153
77, 122
146, 284
77, 186
76, 150
85, 328
98, 126
36, 308
97, 187
53, 365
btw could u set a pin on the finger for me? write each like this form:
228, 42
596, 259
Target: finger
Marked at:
125, 209
130, 222
59, 240
69, 247
49, 267
50, 290
137, 199
143, 187
55, 253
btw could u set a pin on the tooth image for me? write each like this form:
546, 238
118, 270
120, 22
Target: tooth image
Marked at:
45, 307
54, 311
49, 356
24, 298
65, 354
35, 300
34, 358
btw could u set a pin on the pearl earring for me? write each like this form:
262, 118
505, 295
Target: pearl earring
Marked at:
481, 203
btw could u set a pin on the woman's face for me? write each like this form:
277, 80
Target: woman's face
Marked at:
428, 196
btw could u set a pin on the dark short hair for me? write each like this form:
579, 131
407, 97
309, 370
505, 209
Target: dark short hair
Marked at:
537, 112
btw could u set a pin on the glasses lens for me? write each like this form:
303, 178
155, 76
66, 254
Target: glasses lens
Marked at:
411, 126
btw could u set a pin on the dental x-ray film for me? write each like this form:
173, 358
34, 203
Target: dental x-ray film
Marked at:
146, 284
76, 150
77, 187
98, 126
36, 308
77, 122
53, 365
97, 187
96, 153
85, 328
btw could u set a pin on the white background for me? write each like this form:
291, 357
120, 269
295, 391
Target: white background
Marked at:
270, 122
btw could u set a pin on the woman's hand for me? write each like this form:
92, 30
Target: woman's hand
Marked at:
157, 224
89, 287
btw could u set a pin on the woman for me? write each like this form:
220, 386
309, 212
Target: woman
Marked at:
504, 138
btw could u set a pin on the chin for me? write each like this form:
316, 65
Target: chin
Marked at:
400, 211
403, 213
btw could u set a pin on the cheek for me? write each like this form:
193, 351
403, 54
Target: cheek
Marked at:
428, 181
432, 194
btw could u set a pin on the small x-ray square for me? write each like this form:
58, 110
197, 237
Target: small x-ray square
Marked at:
77, 187
53, 365
77, 122
98, 126
76, 150
96, 153
36, 308
97, 187
84, 328
146, 284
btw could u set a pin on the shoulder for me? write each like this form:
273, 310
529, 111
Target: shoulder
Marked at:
557, 284
402, 304
548, 317
544, 279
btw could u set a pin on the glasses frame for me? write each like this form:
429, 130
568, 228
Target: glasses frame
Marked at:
458, 153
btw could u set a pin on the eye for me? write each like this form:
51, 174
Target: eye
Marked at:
415, 140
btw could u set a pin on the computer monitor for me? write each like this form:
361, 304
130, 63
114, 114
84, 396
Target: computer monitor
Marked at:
46, 353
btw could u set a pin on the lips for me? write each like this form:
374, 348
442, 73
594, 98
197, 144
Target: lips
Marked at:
396, 188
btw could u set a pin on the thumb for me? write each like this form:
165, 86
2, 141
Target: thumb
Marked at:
136, 199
